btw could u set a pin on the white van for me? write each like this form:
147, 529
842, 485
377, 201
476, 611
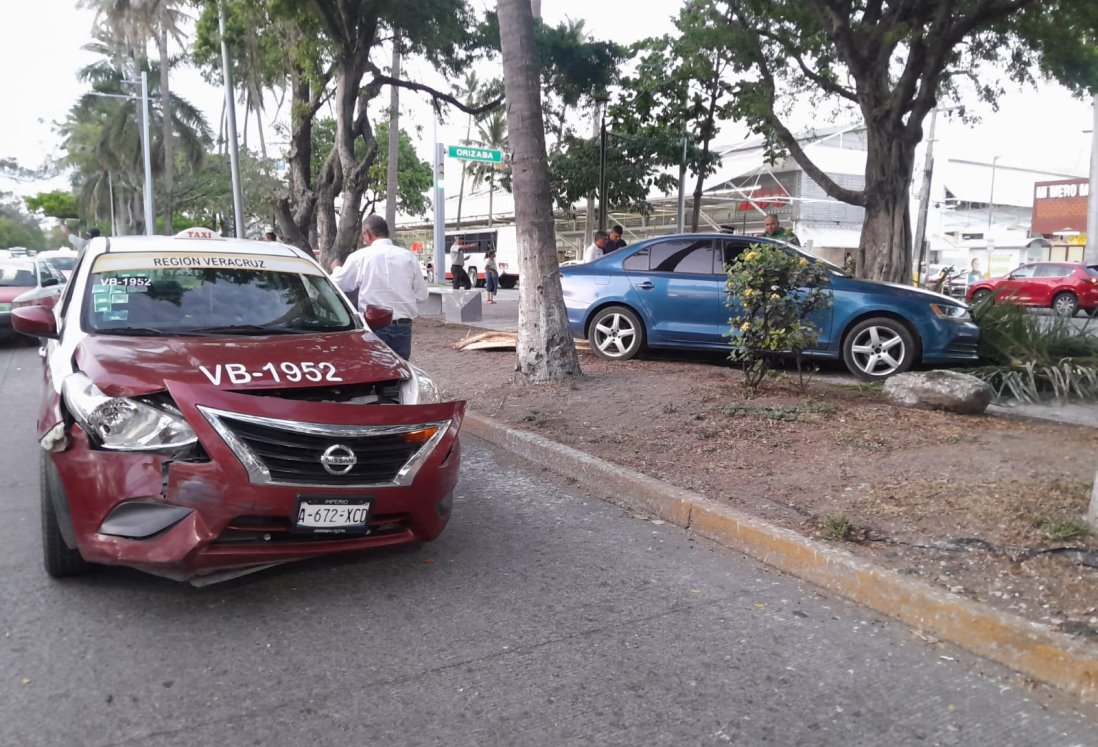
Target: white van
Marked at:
501, 238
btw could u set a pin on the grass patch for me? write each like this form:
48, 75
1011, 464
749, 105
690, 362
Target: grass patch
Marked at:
1071, 530
534, 418
838, 528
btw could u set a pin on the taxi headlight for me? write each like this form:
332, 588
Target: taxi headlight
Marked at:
420, 389
121, 423
949, 311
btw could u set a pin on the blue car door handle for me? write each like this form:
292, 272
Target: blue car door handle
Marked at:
647, 285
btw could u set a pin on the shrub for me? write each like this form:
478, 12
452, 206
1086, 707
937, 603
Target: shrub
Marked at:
772, 294
1032, 357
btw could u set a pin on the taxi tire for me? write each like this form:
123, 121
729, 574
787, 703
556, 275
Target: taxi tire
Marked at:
60, 560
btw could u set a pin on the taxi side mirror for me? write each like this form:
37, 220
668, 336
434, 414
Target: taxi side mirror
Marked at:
34, 321
378, 317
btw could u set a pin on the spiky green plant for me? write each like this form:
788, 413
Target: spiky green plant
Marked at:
1033, 357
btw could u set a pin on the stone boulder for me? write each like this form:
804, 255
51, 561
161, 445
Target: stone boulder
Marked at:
939, 390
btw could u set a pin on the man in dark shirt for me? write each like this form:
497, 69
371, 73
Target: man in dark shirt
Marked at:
615, 241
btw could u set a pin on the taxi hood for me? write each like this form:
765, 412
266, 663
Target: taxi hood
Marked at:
130, 366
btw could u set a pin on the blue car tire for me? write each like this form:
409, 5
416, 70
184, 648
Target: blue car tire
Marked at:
876, 348
616, 333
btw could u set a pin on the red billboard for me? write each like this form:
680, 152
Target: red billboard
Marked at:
1060, 206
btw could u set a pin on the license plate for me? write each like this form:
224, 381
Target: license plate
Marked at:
332, 515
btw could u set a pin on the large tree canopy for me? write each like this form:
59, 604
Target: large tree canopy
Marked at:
890, 60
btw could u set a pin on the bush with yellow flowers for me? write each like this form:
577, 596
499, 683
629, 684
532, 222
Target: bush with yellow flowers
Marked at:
774, 295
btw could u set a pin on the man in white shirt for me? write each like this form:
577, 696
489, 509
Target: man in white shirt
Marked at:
598, 248
457, 264
384, 274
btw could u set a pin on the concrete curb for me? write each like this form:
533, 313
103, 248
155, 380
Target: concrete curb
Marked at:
1027, 647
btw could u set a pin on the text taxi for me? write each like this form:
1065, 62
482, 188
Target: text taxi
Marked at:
212, 406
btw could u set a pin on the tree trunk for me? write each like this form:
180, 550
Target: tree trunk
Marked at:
464, 169
391, 174
707, 130
169, 131
262, 138
545, 349
491, 196
295, 210
884, 252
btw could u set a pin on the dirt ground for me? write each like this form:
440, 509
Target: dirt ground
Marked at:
985, 506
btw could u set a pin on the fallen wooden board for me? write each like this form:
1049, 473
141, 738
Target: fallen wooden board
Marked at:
489, 341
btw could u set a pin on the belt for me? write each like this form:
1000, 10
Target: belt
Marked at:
401, 321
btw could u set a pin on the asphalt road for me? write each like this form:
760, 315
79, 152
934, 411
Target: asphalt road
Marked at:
540, 618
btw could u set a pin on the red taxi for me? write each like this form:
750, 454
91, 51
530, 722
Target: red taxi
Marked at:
214, 406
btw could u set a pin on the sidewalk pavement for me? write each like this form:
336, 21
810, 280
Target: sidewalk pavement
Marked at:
1031, 648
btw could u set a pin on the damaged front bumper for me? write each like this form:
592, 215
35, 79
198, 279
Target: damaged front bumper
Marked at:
232, 508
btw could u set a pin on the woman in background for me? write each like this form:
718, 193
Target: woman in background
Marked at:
491, 275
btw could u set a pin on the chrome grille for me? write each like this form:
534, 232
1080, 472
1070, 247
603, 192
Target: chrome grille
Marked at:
288, 452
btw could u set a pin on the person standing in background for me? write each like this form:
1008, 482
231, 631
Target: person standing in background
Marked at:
491, 275
597, 248
615, 241
458, 275
772, 230
384, 274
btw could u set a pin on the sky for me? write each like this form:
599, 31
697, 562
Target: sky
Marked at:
42, 53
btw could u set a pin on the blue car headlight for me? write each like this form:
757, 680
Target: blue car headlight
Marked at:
949, 311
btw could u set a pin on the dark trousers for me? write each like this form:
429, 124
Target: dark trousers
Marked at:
398, 336
460, 277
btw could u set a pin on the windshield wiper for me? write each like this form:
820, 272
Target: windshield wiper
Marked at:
135, 331
245, 329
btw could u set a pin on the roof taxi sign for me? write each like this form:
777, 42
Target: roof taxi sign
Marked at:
199, 232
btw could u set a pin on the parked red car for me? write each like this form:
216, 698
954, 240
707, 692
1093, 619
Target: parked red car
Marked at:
25, 281
213, 406
1064, 287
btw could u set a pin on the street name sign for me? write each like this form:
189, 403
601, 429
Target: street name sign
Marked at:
469, 153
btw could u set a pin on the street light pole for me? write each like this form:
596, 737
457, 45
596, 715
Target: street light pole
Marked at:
924, 192
150, 224
1091, 251
991, 197
602, 167
924, 199
230, 110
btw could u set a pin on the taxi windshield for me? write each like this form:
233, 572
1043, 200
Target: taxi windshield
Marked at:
210, 300
63, 262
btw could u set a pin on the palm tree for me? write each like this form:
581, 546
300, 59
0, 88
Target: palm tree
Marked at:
103, 138
470, 90
129, 24
493, 134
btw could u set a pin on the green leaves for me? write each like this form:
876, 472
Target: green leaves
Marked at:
1035, 357
772, 293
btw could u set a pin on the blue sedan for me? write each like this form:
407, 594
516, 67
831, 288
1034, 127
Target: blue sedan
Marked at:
669, 292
